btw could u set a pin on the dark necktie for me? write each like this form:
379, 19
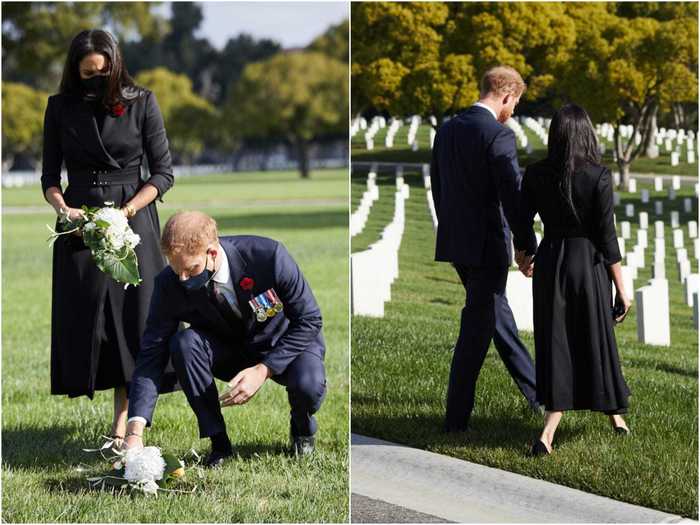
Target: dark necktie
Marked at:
230, 314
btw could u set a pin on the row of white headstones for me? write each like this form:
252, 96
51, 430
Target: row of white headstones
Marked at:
374, 269
671, 139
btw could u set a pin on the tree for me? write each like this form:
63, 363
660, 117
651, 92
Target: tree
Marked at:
399, 62
298, 96
334, 42
36, 35
190, 120
22, 120
625, 68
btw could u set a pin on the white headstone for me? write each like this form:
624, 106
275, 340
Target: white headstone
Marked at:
653, 322
643, 220
696, 248
658, 269
519, 294
691, 286
659, 229
658, 184
678, 238
675, 157
616, 199
626, 229
632, 185
629, 210
671, 194
645, 196
659, 207
659, 248
691, 156
676, 182
688, 205
692, 230
683, 270
642, 239
675, 217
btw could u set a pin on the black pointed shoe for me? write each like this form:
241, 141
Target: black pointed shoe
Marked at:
621, 431
539, 449
217, 458
302, 445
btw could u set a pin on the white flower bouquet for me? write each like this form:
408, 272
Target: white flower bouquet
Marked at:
146, 469
111, 240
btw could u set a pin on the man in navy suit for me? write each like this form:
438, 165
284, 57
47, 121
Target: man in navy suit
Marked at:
251, 315
475, 181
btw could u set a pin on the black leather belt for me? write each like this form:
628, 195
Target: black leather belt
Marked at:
93, 178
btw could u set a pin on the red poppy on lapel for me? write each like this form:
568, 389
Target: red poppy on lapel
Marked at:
118, 110
247, 283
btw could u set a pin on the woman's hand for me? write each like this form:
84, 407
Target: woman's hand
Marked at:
622, 306
72, 214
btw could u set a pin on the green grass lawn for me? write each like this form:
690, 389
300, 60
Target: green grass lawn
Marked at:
42, 435
401, 152
400, 367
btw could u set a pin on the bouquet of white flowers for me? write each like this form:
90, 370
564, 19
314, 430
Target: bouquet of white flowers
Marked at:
144, 469
111, 240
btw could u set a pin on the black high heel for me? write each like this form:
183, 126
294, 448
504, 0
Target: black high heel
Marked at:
539, 449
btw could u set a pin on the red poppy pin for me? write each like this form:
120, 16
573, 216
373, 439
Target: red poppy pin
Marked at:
118, 110
247, 283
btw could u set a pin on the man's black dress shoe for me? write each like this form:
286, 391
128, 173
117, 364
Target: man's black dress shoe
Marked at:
302, 445
216, 458
539, 449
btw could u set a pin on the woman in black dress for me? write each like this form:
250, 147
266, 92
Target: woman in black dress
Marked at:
577, 362
100, 125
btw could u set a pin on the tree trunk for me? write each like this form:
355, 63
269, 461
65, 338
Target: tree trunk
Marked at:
303, 157
651, 150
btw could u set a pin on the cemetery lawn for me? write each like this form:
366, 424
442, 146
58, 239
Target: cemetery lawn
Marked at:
42, 435
400, 365
401, 152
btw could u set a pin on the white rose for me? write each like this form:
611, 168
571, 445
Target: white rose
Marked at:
144, 464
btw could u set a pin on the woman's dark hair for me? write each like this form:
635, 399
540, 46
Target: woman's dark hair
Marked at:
571, 144
97, 41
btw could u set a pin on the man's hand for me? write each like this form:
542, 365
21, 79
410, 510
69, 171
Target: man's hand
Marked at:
134, 435
525, 263
245, 385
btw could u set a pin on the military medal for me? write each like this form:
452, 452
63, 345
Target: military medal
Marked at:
276, 303
260, 313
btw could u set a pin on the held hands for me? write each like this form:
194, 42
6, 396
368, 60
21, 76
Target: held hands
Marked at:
622, 307
525, 263
245, 385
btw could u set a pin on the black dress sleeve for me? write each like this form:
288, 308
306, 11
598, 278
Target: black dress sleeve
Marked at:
603, 211
524, 233
155, 144
52, 155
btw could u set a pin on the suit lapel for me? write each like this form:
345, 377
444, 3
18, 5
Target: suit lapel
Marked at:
239, 269
87, 133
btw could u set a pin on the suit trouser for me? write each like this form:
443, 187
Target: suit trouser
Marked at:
199, 357
486, 315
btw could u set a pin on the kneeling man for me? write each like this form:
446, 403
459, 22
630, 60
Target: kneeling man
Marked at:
251, 317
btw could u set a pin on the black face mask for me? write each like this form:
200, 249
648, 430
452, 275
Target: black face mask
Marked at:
200, 280
95, 85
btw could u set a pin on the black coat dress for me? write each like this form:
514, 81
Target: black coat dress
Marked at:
96, 324
577, 361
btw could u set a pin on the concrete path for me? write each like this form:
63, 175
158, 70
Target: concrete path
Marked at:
406, 480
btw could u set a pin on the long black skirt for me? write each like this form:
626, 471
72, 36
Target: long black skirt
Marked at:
97, 323
577, 362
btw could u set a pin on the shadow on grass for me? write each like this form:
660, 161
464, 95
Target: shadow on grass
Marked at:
26, 447
516, 432
250, 224
651, 364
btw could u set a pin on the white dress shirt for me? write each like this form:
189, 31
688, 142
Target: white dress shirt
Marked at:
486, 107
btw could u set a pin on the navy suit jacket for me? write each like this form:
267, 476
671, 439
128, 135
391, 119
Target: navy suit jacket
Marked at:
275, 342
475, 180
